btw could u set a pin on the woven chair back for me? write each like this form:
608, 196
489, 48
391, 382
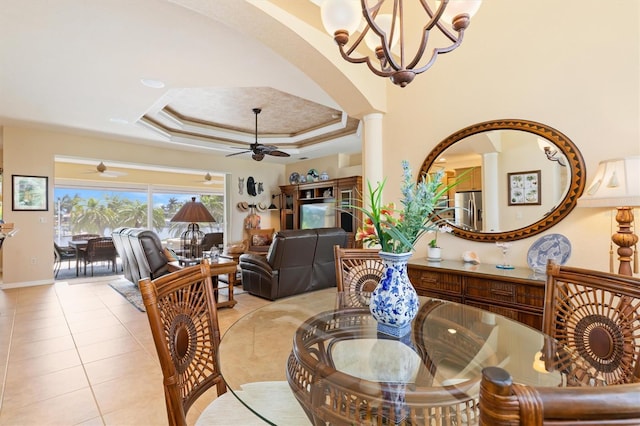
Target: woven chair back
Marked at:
182, 314
596, 315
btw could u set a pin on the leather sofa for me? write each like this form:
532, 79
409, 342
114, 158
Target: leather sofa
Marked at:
142, 253
298, 261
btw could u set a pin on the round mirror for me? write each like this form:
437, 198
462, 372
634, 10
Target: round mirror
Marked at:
517, 178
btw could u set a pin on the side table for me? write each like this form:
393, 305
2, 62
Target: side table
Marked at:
225, 267
236, 258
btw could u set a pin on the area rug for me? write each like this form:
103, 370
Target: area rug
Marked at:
132, 293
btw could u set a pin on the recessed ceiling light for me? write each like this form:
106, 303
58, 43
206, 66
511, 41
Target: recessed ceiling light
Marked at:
119, 120
154, 84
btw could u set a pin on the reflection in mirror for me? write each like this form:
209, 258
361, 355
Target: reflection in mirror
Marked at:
521, 178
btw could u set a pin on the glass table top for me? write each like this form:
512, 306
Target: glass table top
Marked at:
330, 338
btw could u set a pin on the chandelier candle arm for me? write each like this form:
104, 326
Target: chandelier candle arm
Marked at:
339, 18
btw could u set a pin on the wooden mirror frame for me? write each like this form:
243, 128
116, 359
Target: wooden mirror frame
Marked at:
574, 161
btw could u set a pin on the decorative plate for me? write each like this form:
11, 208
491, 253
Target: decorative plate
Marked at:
294, 178
552, 246
314, 173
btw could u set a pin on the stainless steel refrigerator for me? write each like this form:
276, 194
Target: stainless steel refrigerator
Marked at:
468, 210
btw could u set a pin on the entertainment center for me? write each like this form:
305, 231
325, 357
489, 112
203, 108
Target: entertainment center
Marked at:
321, 204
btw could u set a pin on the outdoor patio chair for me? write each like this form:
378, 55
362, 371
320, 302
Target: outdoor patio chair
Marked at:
99, 250
60, 255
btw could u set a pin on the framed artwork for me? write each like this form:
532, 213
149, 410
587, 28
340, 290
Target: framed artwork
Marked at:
30, 193
524, 188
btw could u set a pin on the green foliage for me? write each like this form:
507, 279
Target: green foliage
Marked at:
398, 229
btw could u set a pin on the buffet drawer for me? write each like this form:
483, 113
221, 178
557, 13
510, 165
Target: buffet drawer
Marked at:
435, 282
493, 290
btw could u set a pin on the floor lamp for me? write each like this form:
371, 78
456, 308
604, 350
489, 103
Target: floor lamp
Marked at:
192, 212
617, 184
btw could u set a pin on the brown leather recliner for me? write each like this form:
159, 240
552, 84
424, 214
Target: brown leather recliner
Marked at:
298, 261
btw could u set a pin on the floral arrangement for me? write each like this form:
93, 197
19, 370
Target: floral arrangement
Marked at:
395, 229
445, 229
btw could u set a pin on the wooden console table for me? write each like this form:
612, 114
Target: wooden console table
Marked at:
514, 293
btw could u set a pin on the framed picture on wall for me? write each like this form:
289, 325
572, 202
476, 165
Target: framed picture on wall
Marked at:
30, 193
524, 188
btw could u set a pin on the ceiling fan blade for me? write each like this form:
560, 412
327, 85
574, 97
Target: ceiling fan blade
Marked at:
267, 148
111, 173
108, 175
277, 153
237, 153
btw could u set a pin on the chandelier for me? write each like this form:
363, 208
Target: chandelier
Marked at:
385, 34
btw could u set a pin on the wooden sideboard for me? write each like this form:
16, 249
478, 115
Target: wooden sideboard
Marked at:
514, 293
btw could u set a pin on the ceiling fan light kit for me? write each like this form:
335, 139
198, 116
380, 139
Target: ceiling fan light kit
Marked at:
382, 32
102, 171
258, 150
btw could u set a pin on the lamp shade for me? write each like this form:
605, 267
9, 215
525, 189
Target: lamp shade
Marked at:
340, 15
458, 7
193, 212
615, 184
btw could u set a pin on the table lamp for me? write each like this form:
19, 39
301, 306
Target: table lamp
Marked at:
617, 184
192, 212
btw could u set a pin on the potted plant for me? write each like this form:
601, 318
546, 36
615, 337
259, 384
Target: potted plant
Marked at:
434, 252
394, 301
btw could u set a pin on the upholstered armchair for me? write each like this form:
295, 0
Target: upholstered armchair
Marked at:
259, 240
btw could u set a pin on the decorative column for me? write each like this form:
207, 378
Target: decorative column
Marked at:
372, 149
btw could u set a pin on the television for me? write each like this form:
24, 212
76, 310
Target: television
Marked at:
317, 215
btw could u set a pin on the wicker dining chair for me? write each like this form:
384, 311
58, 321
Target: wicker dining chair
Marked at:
183, 318
99, 250
358, 271
503, 403
596, 315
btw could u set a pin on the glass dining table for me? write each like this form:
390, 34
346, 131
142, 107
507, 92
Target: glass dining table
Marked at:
318, 358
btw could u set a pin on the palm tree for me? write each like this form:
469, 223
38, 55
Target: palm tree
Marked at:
91, 217
173, 205
158, 219
133, 214
215, 205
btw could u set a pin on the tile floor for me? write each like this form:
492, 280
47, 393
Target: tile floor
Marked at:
77, 353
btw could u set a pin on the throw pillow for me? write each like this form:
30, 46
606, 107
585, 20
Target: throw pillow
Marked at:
261, 240
235, 248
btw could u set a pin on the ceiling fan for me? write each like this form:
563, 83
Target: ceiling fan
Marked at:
101, 170
259, 150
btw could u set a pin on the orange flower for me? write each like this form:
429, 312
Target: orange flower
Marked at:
397, 230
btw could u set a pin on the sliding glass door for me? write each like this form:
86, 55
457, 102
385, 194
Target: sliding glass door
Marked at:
98, 210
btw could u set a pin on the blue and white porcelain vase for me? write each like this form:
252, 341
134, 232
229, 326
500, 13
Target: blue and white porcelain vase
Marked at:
394, 301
